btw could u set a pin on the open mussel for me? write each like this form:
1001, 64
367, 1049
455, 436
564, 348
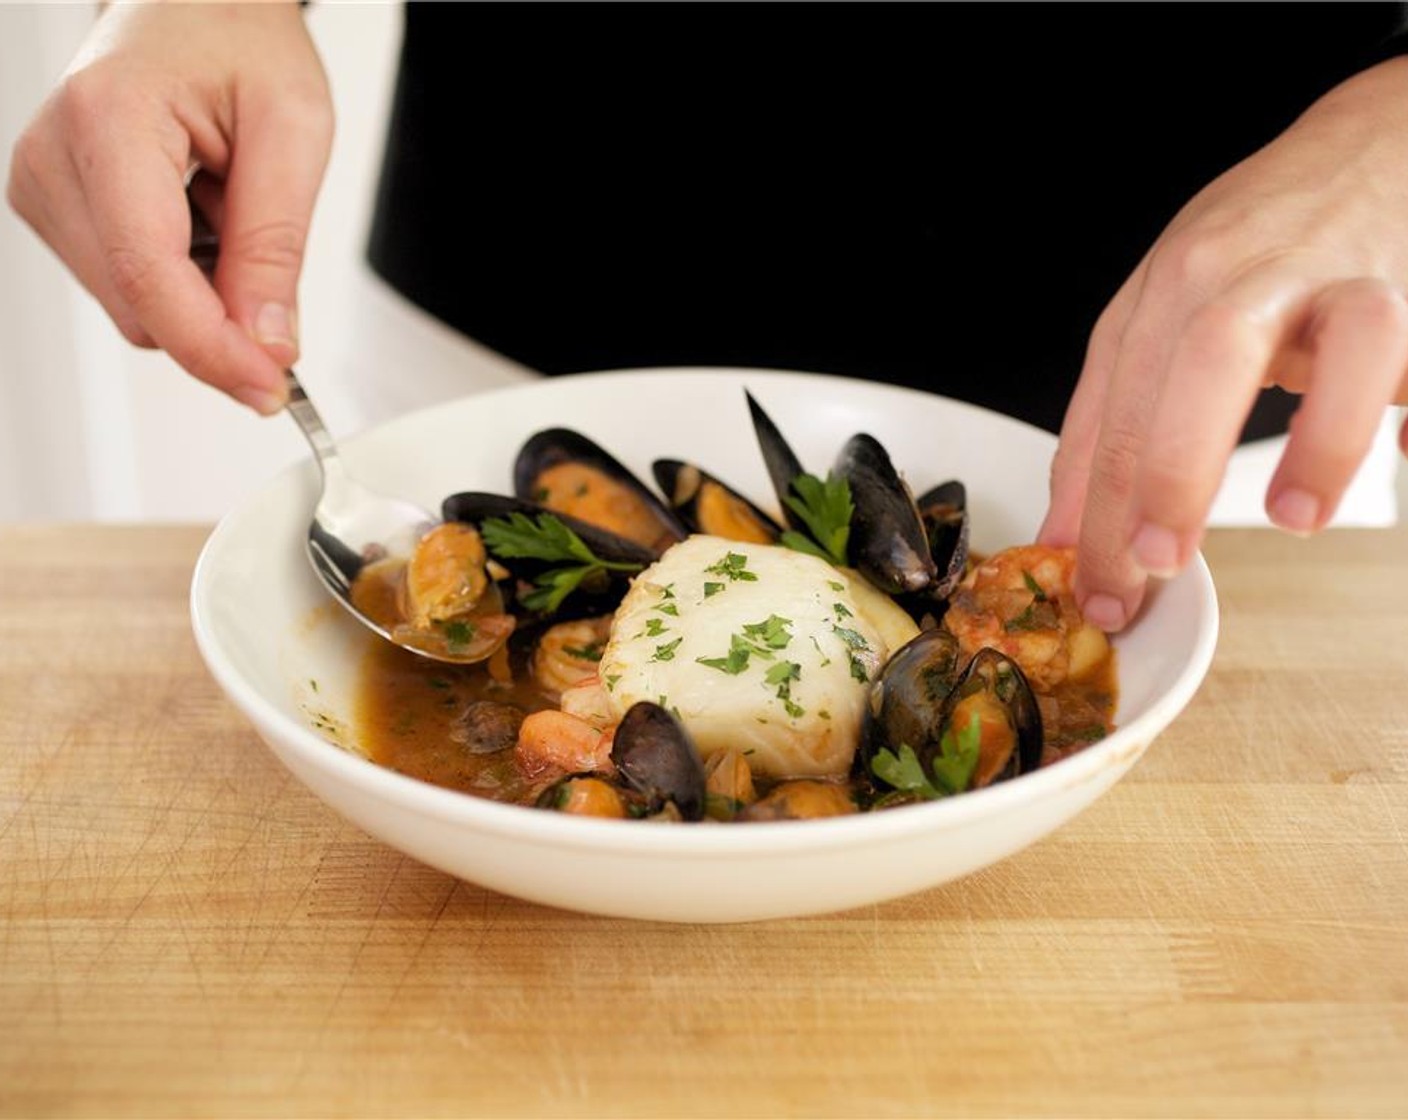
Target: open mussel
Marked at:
944, 513
926, 694
566, 472
779, 458
888, 543
707, 505
538, 572
656, 757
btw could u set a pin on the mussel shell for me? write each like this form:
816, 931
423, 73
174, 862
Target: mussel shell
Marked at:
944, 513
474, 507
888, 543
906, 703
685, 484
996, 673
656, 756
782, 463
554, 446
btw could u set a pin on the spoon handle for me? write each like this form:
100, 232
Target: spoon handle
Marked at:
311, 425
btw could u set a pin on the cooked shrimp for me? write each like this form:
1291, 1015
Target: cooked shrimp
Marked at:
587, 700
1019, 601
556, 739
568, 653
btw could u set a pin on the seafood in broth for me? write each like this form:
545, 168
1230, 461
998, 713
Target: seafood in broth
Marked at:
698, 658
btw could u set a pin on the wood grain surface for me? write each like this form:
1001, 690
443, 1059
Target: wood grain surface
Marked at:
184, 931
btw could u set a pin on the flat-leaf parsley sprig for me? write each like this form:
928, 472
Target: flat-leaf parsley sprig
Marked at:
952, 767
546, 538
825, 508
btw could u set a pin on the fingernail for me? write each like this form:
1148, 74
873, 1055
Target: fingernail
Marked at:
274, 325
1296, 511
1155, 550
263, 400
1104, 611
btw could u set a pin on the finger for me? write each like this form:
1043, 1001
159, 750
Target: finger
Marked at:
268, 204
1080, 428
142, 221
1360, 343
1215, 372
45, 190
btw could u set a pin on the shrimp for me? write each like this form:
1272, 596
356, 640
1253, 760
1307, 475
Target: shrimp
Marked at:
1019, 601
568, 653
551, 738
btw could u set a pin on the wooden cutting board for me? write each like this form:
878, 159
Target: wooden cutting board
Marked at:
185, 931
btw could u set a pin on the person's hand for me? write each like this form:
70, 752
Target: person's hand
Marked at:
1291, 270
100, 174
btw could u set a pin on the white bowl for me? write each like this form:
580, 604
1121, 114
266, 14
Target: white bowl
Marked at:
267, 631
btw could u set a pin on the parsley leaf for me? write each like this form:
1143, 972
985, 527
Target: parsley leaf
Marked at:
733, 567
547, 538
952, 767
825, 508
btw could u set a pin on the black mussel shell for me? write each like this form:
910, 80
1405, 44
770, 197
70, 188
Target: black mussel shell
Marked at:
906, 703
782, 463
600, 595
1002, 679
555, 446
687, 488
944, 512
888, 543
656, 757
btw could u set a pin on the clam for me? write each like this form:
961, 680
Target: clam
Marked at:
566, 472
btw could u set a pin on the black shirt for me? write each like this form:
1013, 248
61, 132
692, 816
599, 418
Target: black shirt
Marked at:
938, 195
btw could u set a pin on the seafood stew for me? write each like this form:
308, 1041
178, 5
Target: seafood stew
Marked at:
689, 655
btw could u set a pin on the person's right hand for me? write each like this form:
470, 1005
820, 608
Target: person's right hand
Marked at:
101, 172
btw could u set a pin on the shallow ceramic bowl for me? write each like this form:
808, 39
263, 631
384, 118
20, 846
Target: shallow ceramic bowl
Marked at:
268, 631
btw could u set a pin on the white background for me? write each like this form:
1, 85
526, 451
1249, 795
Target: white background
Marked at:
91, 428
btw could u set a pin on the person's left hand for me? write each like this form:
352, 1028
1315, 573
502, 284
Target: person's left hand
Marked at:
1290, 269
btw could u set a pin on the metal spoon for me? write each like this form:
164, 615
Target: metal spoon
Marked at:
352, 525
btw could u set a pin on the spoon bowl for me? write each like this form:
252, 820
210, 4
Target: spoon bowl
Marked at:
354, 527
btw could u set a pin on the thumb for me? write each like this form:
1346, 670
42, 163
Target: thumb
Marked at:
276, 167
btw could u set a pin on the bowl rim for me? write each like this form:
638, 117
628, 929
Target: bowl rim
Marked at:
1118, 750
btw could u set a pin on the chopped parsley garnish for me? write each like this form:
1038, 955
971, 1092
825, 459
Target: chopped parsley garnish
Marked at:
782, 675
757, 639
825, 508
831, 583
667, 608
733, 567
654, 628
584, 653
666, 652
772, 632
547, 538
458, 634
1033, 586
611, 679
711, 589
952, 767
841, 611
852, 639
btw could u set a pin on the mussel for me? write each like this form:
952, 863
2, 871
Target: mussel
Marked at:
569, 473
707, 505
944, 512
656, 757
600, 588
888, 543
779, 458
926, 692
